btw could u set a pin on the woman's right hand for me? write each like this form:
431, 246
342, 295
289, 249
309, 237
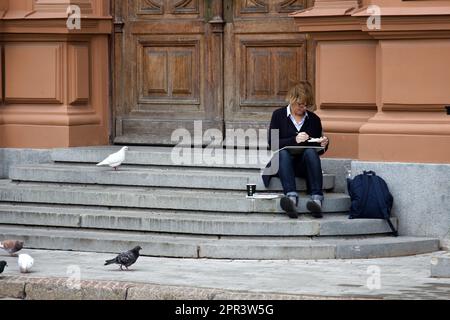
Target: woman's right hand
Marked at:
302, 137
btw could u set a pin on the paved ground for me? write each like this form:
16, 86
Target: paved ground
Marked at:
55, 275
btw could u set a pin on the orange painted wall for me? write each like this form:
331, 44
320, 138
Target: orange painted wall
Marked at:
56, 88
381, 92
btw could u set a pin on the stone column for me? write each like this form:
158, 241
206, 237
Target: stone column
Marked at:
413, 85
56, 76
345, 72
381, 91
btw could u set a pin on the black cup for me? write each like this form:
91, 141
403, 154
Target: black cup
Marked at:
251, 189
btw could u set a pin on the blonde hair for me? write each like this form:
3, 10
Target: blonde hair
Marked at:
302, 93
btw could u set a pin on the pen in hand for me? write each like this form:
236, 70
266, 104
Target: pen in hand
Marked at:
302, 137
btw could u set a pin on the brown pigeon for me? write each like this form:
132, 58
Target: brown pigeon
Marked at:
11, 246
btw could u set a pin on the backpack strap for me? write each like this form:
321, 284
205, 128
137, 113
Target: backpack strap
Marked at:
383, 206
365, 183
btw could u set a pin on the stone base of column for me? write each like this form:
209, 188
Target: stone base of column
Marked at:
36, 136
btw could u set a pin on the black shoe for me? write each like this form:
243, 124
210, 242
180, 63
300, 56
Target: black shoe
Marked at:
315, 207
288, 205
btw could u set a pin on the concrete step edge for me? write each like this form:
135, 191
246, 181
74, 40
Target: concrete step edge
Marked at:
223, 249
145, 197
162, 156
156, 177
189, 223
56, 288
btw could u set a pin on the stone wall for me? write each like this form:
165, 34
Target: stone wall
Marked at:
421, 196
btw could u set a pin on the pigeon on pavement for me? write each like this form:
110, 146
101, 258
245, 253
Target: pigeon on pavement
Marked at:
11, 246
114, 160
3, 264
125, 258
25, 263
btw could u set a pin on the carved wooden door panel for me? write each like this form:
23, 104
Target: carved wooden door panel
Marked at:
167, 69
264, 56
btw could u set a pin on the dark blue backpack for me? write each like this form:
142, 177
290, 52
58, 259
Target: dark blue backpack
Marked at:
370, 198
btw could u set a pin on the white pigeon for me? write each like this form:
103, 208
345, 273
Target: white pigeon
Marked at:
114, 160
25, 262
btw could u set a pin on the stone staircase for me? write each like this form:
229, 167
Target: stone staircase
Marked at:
189, 211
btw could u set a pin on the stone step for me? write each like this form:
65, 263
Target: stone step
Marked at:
159, 198
440, 266
166, 221
167, 156
351, 248
218, 247
176, 177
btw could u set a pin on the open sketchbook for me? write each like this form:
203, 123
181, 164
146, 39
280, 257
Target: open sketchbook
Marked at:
299, 149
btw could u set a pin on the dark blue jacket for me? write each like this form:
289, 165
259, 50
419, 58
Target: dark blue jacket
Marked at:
287, 133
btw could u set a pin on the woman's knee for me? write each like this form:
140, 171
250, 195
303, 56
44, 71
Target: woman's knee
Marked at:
284, 155
311, 154
285, 161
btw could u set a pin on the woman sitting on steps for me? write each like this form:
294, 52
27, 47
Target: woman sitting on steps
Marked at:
296, 124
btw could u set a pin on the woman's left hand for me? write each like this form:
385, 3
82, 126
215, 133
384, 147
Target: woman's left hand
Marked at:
324, 142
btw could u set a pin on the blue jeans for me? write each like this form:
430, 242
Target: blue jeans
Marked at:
306, 165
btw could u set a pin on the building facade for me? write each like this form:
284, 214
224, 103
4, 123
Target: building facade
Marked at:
134, 71
55, 80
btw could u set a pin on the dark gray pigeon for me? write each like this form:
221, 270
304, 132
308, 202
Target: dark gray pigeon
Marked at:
3, 264
125, 258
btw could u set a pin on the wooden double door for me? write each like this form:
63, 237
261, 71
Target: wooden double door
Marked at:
226, 63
